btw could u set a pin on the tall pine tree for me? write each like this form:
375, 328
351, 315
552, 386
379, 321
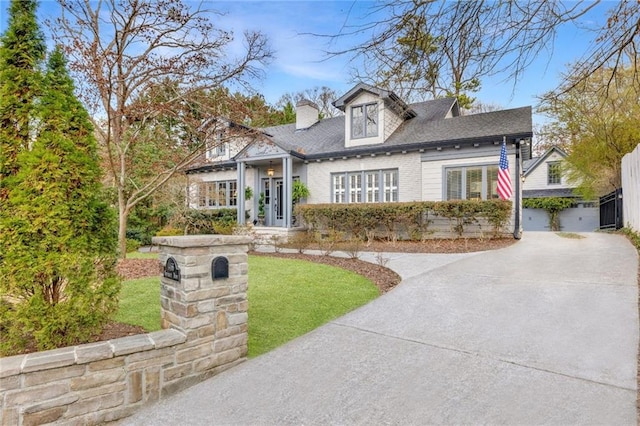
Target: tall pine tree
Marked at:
58, 240
22, 51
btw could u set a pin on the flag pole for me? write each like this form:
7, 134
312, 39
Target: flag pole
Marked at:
516, 229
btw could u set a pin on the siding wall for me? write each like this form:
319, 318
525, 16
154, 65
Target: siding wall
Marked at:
631, 189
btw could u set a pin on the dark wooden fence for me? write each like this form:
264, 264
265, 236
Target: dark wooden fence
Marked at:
611, 210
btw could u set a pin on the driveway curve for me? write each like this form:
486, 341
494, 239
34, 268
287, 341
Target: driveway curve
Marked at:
541, 332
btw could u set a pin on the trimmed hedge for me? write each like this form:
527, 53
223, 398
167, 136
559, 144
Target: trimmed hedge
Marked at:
216, 221
370, 220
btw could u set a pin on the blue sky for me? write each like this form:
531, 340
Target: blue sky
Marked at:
301, 64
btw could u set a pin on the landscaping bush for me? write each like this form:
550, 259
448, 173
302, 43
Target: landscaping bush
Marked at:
59, 285
169, 231
132, 245
197, 222
402, 220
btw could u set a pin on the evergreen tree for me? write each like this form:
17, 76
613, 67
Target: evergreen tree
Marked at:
22, 50
59, 243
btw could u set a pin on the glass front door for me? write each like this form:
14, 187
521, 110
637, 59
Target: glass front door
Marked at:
274, 209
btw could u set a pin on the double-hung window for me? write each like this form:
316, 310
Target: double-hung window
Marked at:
471, 182
355, 187
219, 148
369, 186
339, 185
373, 186
554, 173
364, 121
218, 194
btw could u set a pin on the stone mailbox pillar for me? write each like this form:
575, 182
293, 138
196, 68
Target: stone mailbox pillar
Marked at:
204, 294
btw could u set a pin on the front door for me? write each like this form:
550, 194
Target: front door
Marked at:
274, 211
278, 208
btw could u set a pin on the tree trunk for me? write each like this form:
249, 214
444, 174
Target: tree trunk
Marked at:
123, 214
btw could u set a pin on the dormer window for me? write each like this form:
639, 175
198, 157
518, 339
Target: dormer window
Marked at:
364, 121
219, 149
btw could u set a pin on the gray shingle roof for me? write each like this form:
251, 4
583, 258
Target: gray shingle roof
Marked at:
428, 128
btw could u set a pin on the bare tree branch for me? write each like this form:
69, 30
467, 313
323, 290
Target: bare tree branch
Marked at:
424, 49
141, 68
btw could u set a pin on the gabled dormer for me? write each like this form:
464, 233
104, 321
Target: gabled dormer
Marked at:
224, 139
371, 114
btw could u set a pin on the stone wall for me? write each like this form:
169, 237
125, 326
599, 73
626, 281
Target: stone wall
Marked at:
206, 333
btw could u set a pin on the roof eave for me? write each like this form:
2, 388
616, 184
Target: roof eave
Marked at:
368, 150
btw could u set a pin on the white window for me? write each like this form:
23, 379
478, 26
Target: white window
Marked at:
373, 187
364, 121
352, 183
355, 187
390, 186
218, 194
471, 182
339, 188
218, 149
554, 173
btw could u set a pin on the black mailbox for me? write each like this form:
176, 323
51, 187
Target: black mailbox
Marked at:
219, 268
171, 270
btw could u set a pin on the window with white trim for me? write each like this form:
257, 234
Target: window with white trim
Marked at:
219, 148
218, 194
355, 187
364, 121
339, 188
390, 178
379, 185
471, 182
373, 187
554, 173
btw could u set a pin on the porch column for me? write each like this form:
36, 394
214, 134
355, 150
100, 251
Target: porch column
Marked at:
240, 196
287, 174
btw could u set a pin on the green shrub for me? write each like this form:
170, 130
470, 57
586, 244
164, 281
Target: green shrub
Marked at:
169, 231
553, 206
132, 245
59, 285
197, 222
395, 219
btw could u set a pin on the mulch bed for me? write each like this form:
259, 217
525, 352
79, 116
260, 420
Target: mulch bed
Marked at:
131, 269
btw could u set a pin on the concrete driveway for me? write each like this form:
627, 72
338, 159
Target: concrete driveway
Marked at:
542, 332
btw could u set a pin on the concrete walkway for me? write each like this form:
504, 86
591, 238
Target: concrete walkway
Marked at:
542, 332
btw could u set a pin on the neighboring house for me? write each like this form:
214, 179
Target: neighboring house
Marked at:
544, 177
381, 150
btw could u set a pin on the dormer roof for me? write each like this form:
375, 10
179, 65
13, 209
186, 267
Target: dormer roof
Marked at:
391, 100
530, 165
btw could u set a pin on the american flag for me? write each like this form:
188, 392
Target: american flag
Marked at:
504, 177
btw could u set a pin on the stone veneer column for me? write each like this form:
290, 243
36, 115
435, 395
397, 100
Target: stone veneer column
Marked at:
198, 304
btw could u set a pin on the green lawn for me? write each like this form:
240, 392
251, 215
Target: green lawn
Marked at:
139, 255
140, 303
287, 298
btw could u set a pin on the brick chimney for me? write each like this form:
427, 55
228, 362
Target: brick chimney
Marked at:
306, 114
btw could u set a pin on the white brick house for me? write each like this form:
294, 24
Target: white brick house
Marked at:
380, 150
